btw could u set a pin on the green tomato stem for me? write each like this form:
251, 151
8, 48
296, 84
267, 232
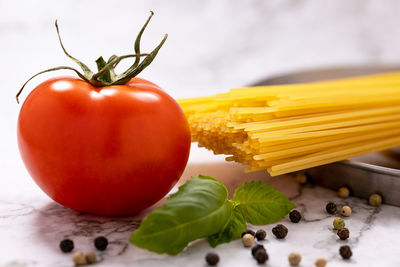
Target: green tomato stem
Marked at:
101, 63
106, 75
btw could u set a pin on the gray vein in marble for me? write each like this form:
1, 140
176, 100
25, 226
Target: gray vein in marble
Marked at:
65, 223
14, 209
358, 206
302, 206
20, 263
51, 223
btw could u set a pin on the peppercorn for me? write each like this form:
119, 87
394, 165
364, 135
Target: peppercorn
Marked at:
343, 233
294, 259
375, 200
345, 211
320, 262
331, 208
343, 192
67, 245
248, 231
248, 240
345, 252
101, 243
255, 248
261, 256
338, 223
90, 257
212, 258
301, 178
78, 258
261, 234
280, 231
294, 216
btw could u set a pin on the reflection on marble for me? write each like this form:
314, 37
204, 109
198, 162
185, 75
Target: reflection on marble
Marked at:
33, 230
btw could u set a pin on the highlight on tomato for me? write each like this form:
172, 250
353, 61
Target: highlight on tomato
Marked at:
104, 143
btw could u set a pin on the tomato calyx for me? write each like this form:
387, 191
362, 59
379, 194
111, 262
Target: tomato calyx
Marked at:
105, 74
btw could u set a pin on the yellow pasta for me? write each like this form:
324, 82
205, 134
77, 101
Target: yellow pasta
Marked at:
286, 128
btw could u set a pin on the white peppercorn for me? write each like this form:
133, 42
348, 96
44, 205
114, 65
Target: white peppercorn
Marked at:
343, 192
248, 240
294, 259
320, 262
91, 257
79, 258
301, 178
345, 211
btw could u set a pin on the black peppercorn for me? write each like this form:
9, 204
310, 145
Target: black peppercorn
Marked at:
331, 208
248, 231
261, 234
294, 216
261, 256
67, 245
212, 258
256, 248
101, 243
280, 231
343, 233
345, 252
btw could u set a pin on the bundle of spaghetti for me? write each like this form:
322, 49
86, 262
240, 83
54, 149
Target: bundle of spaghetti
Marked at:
286, 128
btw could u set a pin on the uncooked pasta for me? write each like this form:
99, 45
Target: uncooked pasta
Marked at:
287, 128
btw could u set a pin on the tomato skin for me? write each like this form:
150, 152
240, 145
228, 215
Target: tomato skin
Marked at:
111, 150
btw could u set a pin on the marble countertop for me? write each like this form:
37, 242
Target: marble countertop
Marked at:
212, 46
32, 227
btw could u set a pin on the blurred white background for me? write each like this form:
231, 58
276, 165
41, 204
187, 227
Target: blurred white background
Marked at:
213, 45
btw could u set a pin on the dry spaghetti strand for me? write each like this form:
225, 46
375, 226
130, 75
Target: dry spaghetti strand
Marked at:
286, 128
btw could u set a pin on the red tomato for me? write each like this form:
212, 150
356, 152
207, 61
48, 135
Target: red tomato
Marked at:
107, 150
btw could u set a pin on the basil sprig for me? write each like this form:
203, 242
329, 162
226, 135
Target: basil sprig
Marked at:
201, 209
260, 203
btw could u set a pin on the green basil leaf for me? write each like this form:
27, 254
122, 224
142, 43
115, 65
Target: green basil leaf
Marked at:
199, 209
262, 204
233, 229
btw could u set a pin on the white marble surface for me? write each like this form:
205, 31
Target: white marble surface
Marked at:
213, 46
31, 229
